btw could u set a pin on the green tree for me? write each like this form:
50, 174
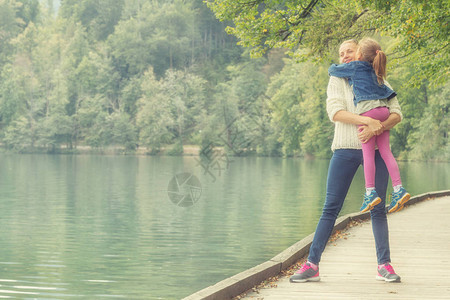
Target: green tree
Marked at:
429, 137
98, 17
130, 94
154, 119
29, 11
19, 135
298, 96
185, 92
89, 117
413, 101
111, 130
10, 26
15, 15
315, 28
242, 106
161, 35
422, 29
74, 48
24, 87
170, 109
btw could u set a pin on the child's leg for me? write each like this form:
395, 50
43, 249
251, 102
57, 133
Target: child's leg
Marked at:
371, 198
388, 157
379, 113
368, 150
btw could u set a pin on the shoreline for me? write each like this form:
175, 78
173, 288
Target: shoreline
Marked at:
188, 150
285, 262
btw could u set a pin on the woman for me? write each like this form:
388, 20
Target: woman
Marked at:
347, 156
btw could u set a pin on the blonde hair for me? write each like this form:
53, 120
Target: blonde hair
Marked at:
353, 41
371, 52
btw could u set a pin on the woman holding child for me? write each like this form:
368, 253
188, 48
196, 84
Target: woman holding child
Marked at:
346, 159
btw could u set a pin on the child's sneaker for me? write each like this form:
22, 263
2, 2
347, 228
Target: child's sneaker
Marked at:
370, 201
399, 200
305, 273
386, 272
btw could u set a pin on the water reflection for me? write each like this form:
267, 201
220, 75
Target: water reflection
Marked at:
104, 226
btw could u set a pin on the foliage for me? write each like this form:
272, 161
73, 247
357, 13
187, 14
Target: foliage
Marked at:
297, 100
160, 74
315, 28
14, 17
98, 16
169, 108
429, 138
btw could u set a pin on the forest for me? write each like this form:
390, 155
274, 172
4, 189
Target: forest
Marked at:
248, 76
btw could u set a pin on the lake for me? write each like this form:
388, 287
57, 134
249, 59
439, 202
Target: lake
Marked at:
149, 227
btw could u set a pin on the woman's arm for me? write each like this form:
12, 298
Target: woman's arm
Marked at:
347, 117
394, 118
391, 121
337, 110
366, 134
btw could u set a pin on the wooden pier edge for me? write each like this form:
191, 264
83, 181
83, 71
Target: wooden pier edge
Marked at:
239, 283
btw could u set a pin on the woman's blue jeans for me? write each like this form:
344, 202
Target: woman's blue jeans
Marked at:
342, 169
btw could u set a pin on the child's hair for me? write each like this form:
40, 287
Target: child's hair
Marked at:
372, 53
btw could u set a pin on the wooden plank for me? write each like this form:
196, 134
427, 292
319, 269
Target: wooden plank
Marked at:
419, 239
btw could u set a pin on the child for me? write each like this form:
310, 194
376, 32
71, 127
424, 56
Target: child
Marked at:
366, 76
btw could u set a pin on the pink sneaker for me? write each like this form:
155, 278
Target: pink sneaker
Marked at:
386, 272
305, 273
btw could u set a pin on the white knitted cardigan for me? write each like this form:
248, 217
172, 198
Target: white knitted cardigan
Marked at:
340, 97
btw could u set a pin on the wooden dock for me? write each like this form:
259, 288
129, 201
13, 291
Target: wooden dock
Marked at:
420, 253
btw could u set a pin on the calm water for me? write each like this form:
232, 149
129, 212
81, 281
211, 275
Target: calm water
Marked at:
93, 227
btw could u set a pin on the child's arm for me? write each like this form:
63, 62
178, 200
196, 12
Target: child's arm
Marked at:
342, 70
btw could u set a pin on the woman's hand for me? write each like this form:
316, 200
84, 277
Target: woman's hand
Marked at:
364, 134
369, 127
375, 126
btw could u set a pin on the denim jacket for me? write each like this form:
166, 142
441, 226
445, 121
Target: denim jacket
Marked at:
362, 78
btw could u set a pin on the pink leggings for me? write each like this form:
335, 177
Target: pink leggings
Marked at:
382, 141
